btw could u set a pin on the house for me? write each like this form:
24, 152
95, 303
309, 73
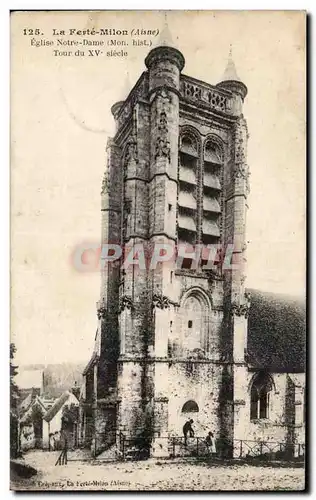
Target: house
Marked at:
61, 421
31, 412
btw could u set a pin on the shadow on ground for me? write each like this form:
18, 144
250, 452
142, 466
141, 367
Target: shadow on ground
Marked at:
19, 470
218, 462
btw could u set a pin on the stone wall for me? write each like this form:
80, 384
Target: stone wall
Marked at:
131, 388
200, 382
105, 428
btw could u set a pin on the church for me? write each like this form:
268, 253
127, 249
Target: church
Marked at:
187, 342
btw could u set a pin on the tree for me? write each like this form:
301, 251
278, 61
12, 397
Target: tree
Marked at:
14, 390
14, 398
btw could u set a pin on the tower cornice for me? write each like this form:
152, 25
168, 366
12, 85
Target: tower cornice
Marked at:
165, 53
234, 86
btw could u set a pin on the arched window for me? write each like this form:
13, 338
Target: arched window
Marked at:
190, 407
212, 180
260, 396
188, 145
195, 313
187, 191
213, 153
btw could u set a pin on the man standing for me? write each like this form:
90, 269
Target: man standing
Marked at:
187, 429
209, 441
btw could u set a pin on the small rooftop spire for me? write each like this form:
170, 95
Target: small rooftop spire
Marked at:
231, 80
126, 87
165, 49
230, 73
165, 39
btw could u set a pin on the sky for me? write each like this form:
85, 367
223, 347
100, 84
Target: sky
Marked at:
60, 122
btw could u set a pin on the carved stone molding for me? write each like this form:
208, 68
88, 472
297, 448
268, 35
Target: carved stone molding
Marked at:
131, 153
241, 170
240, 310
248, 296
162, 142
162, 302
126, 303
162, 148
105, 184
163, 95
241, 135
161, 399
163, 123
240, 402
240, 156
243, 279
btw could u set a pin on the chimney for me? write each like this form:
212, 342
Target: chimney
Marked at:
76, 390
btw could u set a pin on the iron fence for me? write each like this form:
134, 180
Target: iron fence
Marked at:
270, 450
190, 447
63, 457
133, 447
178, 446
129, 447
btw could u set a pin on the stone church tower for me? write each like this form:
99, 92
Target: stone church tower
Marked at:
171, 341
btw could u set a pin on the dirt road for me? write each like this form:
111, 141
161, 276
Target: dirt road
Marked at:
155, 475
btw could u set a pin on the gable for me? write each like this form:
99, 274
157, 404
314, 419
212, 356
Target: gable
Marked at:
66, 398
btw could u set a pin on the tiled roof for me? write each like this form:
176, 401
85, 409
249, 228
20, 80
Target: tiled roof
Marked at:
26, 410
57, 406
25, 403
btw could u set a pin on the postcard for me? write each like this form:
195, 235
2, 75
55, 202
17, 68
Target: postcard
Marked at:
158, 249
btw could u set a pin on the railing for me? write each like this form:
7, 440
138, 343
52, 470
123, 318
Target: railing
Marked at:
121, 441
192, 446
207, 94
62, 459
270, 450
134, 447
140, 448
174, 447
